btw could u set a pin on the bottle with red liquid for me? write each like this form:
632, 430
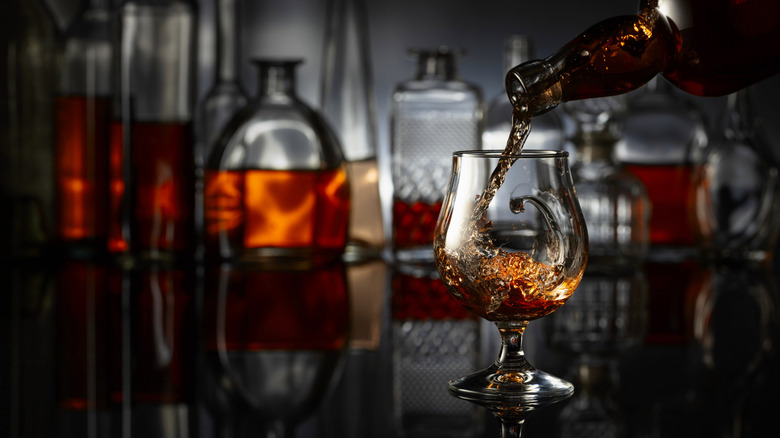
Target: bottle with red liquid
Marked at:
706, 48
151, 168
275, 184
433, 114
82, 117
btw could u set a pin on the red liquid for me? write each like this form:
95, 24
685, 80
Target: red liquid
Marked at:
670, 287
277, 310
422, 298
162, 216
81, 168
87, 314
414, 223
253, 209
670, 189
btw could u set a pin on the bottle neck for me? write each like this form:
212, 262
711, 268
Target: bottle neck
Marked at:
517, 50
438, 65
277, 78
227, 41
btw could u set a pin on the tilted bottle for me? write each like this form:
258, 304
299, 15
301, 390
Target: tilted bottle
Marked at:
275, 183
706, 48
82, 118
738, 188
433, 115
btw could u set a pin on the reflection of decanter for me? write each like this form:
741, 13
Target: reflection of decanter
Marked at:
546, 129
348, 103
614, 201
275, 184
433, 114
738, 187
83, 113
274, 338
433, 338
662, 140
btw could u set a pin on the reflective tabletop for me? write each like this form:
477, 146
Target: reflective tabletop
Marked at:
366, 348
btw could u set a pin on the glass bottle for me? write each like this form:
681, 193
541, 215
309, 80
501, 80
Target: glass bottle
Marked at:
225, 97
152, 157
614, 202
432, 115
275, 184
82, 117
737, 188
662, 140
28, 75
546, 129
348, 103
704, 48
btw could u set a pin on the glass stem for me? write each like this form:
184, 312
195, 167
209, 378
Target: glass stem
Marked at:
511, 357
511, 428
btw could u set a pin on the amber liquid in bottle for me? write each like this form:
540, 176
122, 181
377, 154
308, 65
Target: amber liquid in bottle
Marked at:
162, 213
258, 210
81, 148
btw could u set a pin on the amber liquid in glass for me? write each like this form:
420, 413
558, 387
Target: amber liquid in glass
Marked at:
81, 150
248, 210
162, 217
365, 223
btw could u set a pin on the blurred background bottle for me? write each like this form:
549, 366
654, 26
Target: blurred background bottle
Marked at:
663, 137
432, 115
28, 75
546, 129
83, 114
225, 97
737, 188
152, 140
348, 103
614, 201
275, 184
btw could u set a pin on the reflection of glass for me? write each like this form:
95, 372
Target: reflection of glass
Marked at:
737, 190
348, 102
275, 183
275, 338
433, 337
433, 115
511, 255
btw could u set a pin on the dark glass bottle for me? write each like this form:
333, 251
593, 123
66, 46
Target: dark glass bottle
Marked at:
152, 146
82, 117
707, 48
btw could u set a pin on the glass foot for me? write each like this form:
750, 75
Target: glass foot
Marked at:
517, 391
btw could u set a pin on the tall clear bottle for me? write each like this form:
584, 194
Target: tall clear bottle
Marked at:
152, 157
225, 97
738, 188
28, 75
546, 129
275, 183
432, 115
348, 103
83, 109
662, 142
